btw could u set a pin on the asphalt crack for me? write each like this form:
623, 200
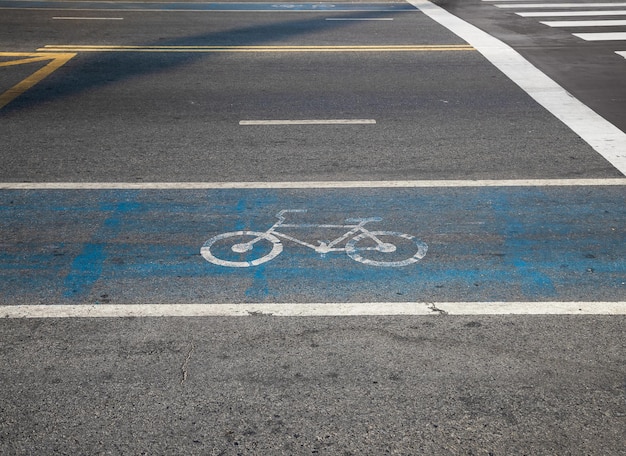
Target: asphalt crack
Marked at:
183, 368
434, 308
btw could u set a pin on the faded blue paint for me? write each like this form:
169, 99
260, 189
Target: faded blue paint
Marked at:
517, 249
487, 244
259, 289
84, 272
87, 267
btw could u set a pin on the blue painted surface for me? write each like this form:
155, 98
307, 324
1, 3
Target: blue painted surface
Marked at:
491, 244
217, 6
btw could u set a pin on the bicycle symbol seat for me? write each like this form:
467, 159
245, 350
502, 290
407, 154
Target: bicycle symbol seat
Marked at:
241, 249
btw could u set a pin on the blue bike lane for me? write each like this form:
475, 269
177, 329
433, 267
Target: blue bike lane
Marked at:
144, 246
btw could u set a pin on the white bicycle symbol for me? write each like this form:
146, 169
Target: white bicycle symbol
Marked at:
242, 249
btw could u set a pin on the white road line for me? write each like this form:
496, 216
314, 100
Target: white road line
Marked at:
608, 140
560, 5
310, 184
312, 309
309, 122
610, 23
76, 18
616, 36
571, 13
359, 18
622, 53
210, 11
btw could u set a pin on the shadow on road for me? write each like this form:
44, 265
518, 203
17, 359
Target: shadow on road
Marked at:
89, 71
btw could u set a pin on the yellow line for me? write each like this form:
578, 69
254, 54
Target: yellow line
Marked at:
61, 54
18, 54
382, 48
23, 61
58, 60
104, 46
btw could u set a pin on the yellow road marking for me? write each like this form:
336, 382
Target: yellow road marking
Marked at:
22, 61
382, 48
57, 61
62, 53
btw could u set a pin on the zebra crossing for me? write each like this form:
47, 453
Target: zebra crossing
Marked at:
611, 27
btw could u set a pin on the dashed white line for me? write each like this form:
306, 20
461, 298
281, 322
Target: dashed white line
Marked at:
309, 122
359, 18
76, 18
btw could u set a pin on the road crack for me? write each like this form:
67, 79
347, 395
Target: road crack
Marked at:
434, 308
183, 368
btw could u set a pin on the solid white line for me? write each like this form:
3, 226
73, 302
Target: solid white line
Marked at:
584, 23
616, 36
312, 309
309, 122
89, 18
622, 53
572, 13
310, 184
560, 5
383, 9
359, 18
608, 140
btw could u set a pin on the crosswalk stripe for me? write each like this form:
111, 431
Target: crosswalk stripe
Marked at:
610, 23
560, 5
615, 36
571, 13
599, 36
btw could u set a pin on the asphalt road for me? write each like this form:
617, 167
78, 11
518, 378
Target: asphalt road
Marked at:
174, 116
592, 70
479, 308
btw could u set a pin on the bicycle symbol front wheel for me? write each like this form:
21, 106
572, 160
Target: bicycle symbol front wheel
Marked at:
241, 249
386, 249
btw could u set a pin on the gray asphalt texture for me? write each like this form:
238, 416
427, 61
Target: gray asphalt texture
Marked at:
590, 70
175, 117
498, 385
263, 385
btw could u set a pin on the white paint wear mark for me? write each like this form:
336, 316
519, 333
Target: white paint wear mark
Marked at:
240, 249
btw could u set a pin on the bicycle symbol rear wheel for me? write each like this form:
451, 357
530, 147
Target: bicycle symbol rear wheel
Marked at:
241, 249
364, 249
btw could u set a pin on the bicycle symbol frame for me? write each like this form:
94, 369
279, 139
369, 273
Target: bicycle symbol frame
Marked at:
359, 241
